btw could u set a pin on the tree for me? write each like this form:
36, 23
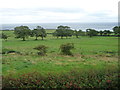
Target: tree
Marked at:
101, 33
91, 32
22, 32
79, 33
116, 30
76, 33
63, 31
4, 36
56, 34
39, 32
107, 32
68, 33
42, 32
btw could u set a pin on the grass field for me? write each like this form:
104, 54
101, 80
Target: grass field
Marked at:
96, 53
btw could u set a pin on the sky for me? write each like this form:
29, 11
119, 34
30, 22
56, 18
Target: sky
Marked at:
56, 11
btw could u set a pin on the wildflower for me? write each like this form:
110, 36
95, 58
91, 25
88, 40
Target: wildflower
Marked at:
99, 80
70, 83
37, 82
108, 81
67, 85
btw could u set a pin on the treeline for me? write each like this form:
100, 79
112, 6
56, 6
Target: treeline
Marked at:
61, 31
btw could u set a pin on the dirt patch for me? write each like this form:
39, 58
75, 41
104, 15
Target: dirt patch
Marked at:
60, 63
108, 58
103, 57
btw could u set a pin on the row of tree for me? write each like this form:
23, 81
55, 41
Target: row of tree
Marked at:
65, 31
61, 31
24, 31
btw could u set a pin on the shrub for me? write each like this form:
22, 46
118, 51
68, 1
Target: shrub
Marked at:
3, 36
42, 50
65, 48
101, 79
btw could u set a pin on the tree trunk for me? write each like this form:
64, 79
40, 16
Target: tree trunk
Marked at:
36, 38
90, 36
5, 39
42, 38
23, 38
76, 36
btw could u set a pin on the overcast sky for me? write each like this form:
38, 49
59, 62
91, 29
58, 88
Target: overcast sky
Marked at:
55, 11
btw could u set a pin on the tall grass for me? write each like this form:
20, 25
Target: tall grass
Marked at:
107, 78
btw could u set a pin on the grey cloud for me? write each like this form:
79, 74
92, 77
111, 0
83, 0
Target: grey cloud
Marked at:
100, 13
15, 12
35, 11
62, 10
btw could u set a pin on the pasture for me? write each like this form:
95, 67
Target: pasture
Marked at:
96, 53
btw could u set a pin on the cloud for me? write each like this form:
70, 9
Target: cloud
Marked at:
38, 11
35, 11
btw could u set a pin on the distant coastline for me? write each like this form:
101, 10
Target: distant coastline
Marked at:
77, 26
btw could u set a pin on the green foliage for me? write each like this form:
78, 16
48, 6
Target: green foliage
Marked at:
101, 33
76, 33
107, 32
42, 49
79, 33
105, 79
22, 32
91, 32
63, 31
65, 48
116, 30
3, 36
39, 32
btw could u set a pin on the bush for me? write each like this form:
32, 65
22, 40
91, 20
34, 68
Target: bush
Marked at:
42, 50
101, 79
65, 48
3, 36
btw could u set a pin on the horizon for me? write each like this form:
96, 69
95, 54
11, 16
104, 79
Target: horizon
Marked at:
74, 26
57, 22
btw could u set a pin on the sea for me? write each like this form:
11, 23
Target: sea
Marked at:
74, 26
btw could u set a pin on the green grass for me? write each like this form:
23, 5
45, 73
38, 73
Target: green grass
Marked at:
89, 53
94, 64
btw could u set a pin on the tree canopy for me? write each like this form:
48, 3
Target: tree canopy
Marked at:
22, 32
39, 32
91, 32
3, 36
63, 31
101, 33
107, 32
116, 30
79, 33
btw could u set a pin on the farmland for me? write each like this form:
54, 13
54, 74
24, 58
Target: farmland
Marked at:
97, 54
